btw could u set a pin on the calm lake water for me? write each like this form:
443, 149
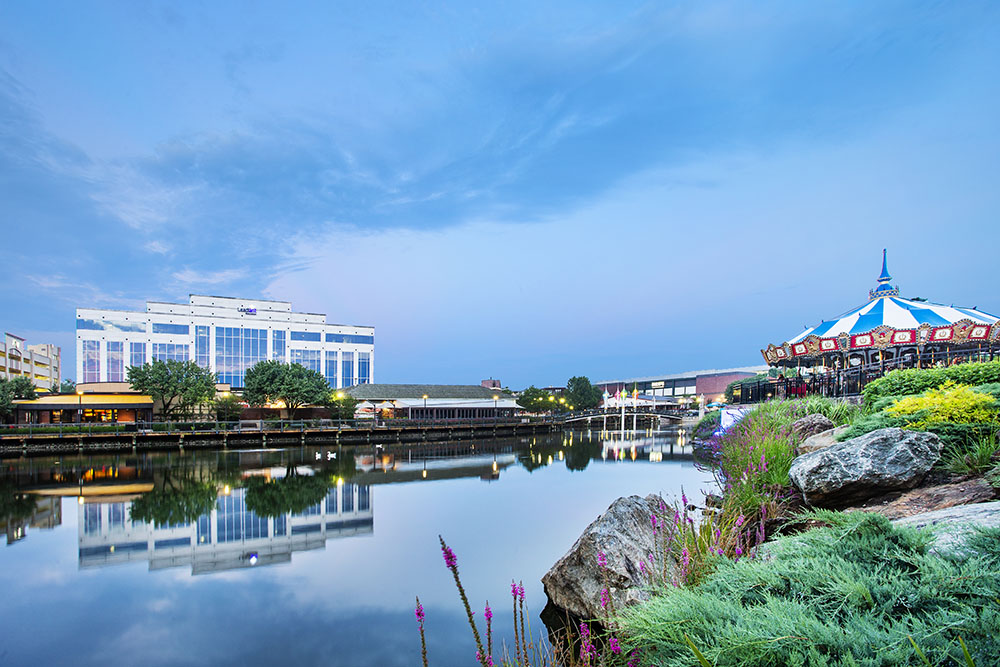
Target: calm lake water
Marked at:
88, 582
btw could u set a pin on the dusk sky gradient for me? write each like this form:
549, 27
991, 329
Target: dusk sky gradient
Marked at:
514, 190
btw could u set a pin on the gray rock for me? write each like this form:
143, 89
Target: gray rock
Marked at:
625, 535
952, 526
821, 440
869, 465
810, 425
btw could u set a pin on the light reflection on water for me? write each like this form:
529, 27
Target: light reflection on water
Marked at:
331, 582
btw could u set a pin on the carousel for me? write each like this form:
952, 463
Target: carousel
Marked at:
890, 332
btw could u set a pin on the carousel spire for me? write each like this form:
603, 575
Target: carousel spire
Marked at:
884, 288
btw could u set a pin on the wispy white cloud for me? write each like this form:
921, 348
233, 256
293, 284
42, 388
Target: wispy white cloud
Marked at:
190, 276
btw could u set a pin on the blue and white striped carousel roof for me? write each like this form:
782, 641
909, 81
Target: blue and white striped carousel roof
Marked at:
895, 312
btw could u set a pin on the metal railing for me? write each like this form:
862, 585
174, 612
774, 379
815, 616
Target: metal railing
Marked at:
248, 426
847, 382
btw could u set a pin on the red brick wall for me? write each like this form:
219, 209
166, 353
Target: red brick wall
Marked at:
714, 386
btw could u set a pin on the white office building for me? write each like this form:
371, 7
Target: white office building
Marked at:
40, 363
227, 335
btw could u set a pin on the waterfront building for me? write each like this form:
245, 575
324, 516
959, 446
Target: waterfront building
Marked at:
39, 362
227, 335
230, 536
683, 386
434, 401
86, 407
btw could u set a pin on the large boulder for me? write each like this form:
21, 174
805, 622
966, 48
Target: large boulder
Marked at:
820, 440
810, 425
871, 464
926, 499
624, 533
953, 526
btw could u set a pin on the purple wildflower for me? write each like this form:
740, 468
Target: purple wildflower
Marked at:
604, 598
450, 561
739, 521
488, 613
419, 612
520, 592
684, 499
513, 590
739, 552
615, 647
602, 560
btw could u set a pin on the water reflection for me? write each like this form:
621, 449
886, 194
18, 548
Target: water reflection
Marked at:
510, 508
228, 536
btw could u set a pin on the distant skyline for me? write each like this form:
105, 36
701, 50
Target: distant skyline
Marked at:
519, 191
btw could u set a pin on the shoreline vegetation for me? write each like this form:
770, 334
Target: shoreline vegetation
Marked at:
757, 577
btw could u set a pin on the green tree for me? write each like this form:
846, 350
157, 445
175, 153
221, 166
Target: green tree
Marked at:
228, 408
179, 386
341, 406
581, 394
67, 387
291, 493
19, 388
178, 499
292, 384
533, 399
262, 381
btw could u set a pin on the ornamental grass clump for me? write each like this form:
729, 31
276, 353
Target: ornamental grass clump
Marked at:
852, 593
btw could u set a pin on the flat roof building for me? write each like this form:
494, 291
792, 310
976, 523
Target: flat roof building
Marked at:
710, 383
40, 362
225, 334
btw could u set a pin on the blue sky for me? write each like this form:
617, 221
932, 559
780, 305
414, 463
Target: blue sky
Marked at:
519, 191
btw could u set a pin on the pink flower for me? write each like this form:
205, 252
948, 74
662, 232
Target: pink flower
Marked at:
450, 561
615, 648
602, 560
419, 612
488, 613
604, 598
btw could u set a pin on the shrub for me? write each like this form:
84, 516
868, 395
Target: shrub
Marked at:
917, 380
848, 594
708, 424
951, 403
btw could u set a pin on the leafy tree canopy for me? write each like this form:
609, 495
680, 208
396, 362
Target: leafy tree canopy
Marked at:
175, 502
291, 493
14, 389
341, 406
228, 408
292, 384
67, 387
581, 394
180, 386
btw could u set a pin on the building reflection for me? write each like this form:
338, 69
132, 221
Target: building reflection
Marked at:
46, 514
227, 538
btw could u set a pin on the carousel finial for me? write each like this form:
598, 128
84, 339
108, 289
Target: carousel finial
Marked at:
884, 288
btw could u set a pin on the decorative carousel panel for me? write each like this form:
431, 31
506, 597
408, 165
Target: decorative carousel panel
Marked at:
942, 334
995, 333
780, 353
828, 345
862, 340
962, 329
799, 349
883, 336
979, 332
923, 333
907, 337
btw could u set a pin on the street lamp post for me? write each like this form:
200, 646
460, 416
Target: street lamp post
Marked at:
79, 409
425, 406
495, 398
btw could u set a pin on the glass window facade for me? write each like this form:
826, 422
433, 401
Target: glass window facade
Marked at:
105, 325
331, 501
347, 497
236, 350
116, 361
308, 358
278, 345
281, 525
163, 327
91, 350
254, 349
347, 368
116, 516
307, 335
201, 346
234, 522
364, 367
205, 529
364, 499
136, 354
92, 519
350, 338
331, 368
171, 352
